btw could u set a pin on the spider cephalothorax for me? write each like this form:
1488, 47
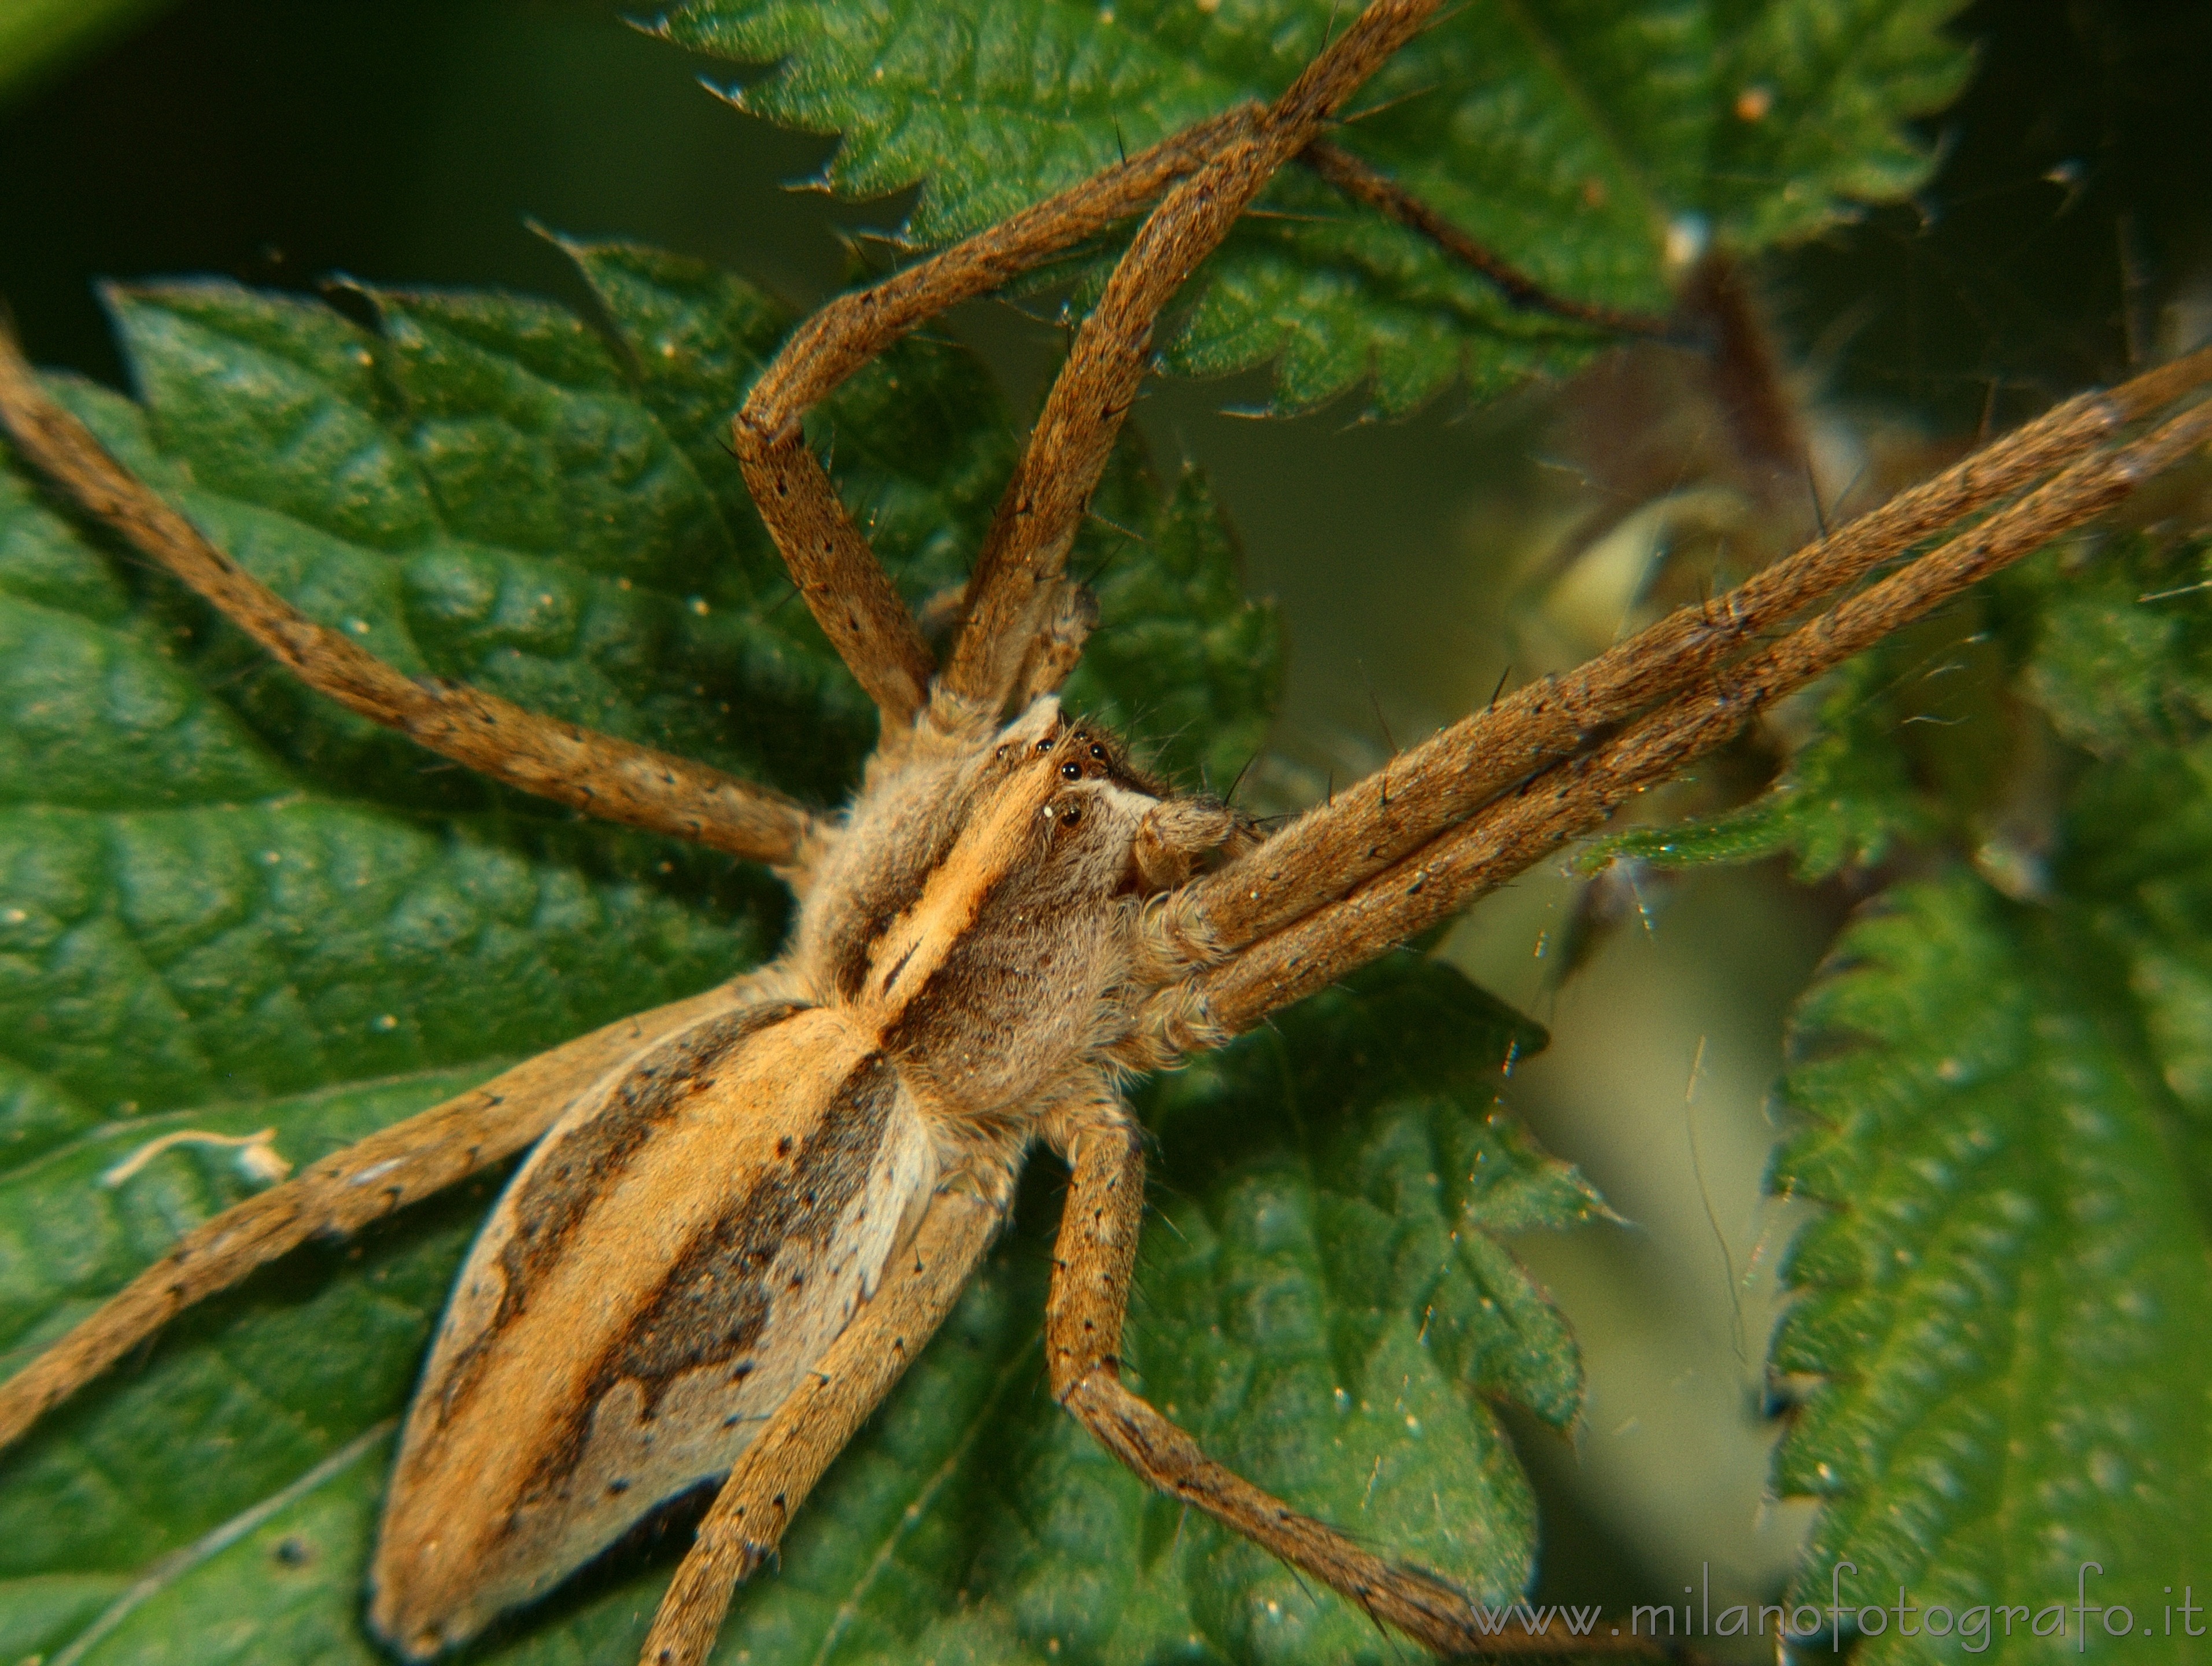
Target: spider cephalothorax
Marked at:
748, 1210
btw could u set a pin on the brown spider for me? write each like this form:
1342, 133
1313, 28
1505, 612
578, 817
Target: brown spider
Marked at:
748, 1211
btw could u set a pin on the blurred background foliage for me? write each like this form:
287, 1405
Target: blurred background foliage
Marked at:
41, 39
2066, 236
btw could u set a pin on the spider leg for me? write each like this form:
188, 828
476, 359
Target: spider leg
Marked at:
1511, 832
1014, 605
1363, 834
612, 779
1092, 1262
343, 1192
845, 586
788, 1457
1368, 185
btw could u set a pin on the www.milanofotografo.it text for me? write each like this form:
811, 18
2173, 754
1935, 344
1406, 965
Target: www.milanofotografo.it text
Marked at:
1842, 1618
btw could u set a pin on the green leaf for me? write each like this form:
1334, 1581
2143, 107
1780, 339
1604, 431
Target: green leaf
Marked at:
2011, 1109
2122, 654
2004, 1309
1572, 140
226, 907
2008, 1302
1845, 799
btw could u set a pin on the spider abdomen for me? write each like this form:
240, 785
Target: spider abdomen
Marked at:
679, 1248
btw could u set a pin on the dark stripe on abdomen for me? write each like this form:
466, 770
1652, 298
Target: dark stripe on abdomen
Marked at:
712, 1308
556, 1196
559, 1191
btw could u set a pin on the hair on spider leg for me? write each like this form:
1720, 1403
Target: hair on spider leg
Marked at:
1245, 769
1602, 904
1090, 581
1812, 492
1738, 1335
1183, 1518
1349, 118
1983, 426
1850, 486
861, 245
237, 676
1375, 704
1382, 775
1164, 742
1299, 1577
1297, 217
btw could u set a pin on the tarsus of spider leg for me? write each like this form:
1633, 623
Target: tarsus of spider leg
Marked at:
1094, 1257
1012, 586
1544, 811
1358, 180
342, 1192
1429, 1610
1453, 774
598, 774
867, 620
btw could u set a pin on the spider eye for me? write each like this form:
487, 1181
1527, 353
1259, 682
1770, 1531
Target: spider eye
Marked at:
1069, 816
1071, 772
1047, 745
1096, 750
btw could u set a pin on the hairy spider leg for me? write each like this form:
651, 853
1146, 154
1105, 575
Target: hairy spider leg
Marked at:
1013, 601
345, 1191
1093, 1259
615, 780
776, 1473
1363, 836
831, 562
1519, 828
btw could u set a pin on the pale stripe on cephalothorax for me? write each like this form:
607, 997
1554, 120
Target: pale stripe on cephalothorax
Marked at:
991, 848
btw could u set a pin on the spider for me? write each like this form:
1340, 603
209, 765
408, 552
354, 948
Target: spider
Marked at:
746, 1211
